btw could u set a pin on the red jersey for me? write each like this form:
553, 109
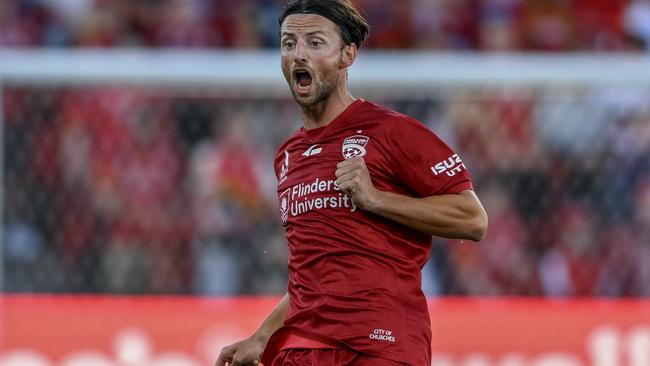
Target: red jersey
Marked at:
355, 277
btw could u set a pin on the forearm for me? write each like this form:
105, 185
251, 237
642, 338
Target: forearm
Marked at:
458, 216
274, 321
249, 351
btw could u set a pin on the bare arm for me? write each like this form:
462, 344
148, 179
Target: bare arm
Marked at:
274, 321
459, 216
249, 351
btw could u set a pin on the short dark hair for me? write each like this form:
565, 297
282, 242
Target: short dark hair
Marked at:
353, 28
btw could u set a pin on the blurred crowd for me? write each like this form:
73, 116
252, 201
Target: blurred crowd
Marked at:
126, 190
485, 25
123, 191
132, 190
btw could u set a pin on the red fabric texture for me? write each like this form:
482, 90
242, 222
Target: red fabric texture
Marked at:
296, 341
328, 357
355, 277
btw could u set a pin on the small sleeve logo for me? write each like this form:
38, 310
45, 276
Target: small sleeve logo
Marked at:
450, 166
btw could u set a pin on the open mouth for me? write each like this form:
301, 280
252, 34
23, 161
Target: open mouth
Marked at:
303, 81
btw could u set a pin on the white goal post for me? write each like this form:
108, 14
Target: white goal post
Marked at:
259, 71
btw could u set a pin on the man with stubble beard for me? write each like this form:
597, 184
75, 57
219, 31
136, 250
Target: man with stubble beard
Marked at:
361, 190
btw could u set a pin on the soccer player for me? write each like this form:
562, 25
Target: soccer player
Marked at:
361, 190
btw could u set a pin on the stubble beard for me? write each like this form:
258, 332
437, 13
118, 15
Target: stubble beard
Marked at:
323, 92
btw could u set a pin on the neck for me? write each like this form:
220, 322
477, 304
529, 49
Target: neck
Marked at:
321, 114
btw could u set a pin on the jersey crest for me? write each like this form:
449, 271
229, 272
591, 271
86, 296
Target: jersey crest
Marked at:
354, 146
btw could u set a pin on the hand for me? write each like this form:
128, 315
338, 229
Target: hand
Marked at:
353, 178
244, 353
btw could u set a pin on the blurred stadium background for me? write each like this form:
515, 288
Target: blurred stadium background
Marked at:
137, 141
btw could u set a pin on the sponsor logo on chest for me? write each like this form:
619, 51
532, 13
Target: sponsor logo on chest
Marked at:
317, 194
314, 194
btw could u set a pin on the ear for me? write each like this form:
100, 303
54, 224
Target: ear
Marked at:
348, 55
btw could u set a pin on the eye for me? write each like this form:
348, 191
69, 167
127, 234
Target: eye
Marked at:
315, 43
288, 45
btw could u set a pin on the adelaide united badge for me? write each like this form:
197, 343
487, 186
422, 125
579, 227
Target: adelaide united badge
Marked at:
354, 146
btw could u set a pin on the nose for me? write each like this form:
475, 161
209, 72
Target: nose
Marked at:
300, 53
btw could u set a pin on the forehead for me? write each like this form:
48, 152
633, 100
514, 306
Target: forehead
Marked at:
308, 23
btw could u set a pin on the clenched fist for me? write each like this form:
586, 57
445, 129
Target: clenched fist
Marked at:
244, 353
353, 178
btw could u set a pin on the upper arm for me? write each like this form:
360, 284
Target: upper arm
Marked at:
468, 209
465, 201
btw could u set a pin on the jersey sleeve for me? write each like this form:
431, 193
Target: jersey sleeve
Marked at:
423, 162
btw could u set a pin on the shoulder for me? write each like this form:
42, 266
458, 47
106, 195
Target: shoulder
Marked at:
390, 119
394, 125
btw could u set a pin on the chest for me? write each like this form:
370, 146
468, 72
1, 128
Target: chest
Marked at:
305, 160
307, 173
